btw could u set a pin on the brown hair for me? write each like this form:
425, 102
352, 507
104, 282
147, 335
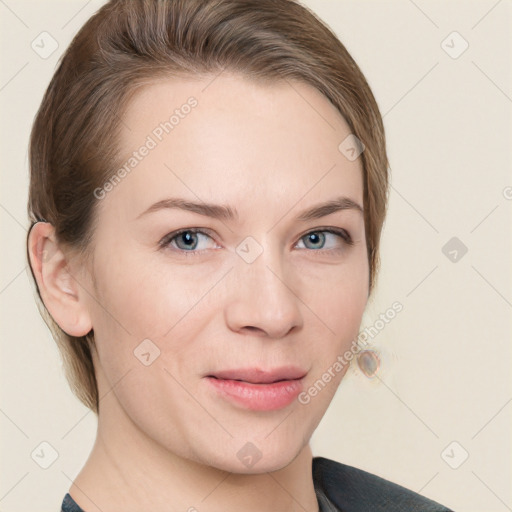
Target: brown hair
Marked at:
126, 44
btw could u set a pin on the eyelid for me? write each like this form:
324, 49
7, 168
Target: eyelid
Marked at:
166, 240
343, 234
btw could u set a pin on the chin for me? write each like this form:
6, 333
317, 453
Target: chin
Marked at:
253, 456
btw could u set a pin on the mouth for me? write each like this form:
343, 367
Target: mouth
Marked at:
256, 389
259, 376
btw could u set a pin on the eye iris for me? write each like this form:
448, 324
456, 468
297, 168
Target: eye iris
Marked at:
315, 238
188, 238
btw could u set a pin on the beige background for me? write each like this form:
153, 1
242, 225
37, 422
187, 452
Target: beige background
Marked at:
446, 357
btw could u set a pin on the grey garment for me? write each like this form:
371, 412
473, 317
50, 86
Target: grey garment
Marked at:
354, 490
342, 488
69, 505
324, 503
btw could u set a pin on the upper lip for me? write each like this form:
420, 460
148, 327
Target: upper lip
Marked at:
259, 376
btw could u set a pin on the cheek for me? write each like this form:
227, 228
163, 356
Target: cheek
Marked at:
143, 297
339, 304
342, 306
149, 312
343, 316
339, 295
155, 401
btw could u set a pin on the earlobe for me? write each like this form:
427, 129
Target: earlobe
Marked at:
60, 290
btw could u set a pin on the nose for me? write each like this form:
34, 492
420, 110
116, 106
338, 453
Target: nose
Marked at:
264, 297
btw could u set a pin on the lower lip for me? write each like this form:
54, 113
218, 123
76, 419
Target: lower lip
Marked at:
258, 397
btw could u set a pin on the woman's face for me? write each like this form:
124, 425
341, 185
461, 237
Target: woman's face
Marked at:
260, 290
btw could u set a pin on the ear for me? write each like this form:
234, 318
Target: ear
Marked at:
60, 290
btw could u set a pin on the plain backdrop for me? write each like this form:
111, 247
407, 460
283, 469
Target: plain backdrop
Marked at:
438, 418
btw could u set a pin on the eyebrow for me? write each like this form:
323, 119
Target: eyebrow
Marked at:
227, 213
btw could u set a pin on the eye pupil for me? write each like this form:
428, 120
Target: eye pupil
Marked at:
187, 238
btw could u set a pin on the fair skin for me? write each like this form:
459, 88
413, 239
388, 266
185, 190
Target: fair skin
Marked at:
166, 439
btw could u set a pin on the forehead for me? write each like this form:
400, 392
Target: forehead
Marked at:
229, 138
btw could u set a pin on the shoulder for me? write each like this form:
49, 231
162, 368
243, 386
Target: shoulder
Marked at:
355, 490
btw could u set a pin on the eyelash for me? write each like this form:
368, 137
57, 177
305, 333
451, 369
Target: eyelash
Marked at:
164, 243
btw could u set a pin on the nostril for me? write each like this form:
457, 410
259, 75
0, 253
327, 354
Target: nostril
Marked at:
252, 329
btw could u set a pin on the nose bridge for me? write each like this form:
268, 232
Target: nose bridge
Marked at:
266, 270
262, 296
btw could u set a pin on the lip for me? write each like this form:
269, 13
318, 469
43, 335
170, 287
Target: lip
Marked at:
259, 376
256, 389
